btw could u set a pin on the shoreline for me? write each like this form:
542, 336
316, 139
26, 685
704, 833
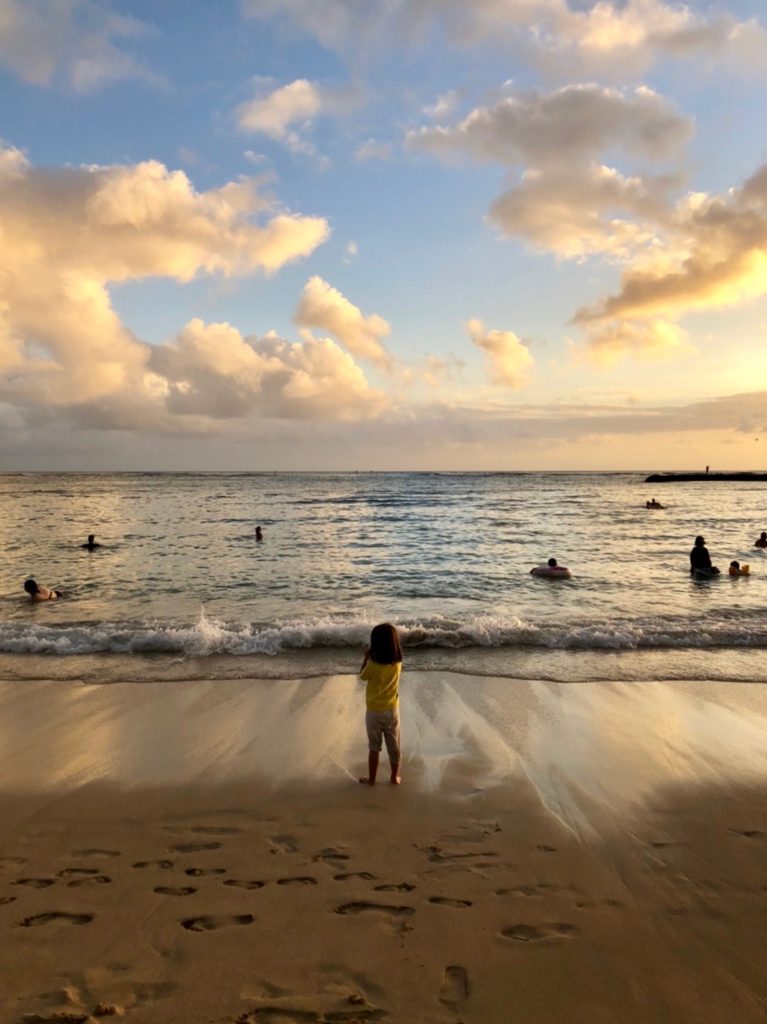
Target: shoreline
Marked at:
190, 851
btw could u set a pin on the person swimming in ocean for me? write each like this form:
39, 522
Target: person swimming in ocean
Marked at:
653, 504
91, 545
762, 541
259, 534
700, 560
552, 570
38, 593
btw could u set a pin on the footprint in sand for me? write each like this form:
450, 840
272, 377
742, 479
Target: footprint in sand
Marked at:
289, 1015
348, 875
587, 905
518, 890
211, 923
194, 847
301, 880
162, 865
748, 833
444, 901
245, 883
203, 872
58, 1018
36, 883
528, 933
91, 880
7, 899
376, 908
543, 848
455, 986
399, 887
283, 844
77, 872
41, 919
174, 890
95, 852
439, 856
216, 830
330, 856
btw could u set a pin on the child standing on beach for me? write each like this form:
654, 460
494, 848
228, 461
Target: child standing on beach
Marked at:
381, 668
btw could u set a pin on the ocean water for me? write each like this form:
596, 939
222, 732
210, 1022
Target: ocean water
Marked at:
181, 588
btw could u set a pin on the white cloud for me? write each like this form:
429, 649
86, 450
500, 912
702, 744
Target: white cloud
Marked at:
325, 308
510, 360
274, 113
443, 106
567, 201
574, 211
68, 233
335, 23
287, 113
257, 159
564, 36
606, 343
373, 150
73, 41
552, 129
212, 371
712, 253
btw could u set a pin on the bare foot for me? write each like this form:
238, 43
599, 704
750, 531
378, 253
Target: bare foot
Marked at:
395, 780
367, 782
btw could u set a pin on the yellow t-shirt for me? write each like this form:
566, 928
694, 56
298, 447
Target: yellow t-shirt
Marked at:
382, 692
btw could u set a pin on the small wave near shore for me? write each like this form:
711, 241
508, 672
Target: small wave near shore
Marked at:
211, 636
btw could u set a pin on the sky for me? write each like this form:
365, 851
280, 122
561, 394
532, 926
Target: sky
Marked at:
383, 234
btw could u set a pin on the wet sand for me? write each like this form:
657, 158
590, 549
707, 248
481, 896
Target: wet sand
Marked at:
200, 852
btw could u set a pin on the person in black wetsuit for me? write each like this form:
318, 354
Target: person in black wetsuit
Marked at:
700, 558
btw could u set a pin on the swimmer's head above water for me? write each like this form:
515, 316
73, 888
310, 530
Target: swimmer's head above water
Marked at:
38, 593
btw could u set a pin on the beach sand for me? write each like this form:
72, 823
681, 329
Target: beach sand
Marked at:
200, 852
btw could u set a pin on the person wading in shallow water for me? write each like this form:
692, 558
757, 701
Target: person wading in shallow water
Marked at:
700, 560
381, 668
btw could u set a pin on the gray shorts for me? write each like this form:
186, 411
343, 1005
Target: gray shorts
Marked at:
384, 725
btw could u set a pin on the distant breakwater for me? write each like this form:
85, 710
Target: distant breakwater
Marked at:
681, 478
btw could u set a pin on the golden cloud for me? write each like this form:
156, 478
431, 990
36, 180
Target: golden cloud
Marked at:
68, 233
324, 307
510, 359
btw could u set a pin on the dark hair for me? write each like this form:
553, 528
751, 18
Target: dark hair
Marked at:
552, 563
30, 586
384, 644
699, 542
734, 564
91, 537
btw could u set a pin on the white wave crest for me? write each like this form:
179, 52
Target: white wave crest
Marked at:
210, 636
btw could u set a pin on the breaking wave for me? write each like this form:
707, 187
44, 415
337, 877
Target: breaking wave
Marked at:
210, 636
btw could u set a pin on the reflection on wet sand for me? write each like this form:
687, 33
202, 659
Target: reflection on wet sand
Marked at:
590, 751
